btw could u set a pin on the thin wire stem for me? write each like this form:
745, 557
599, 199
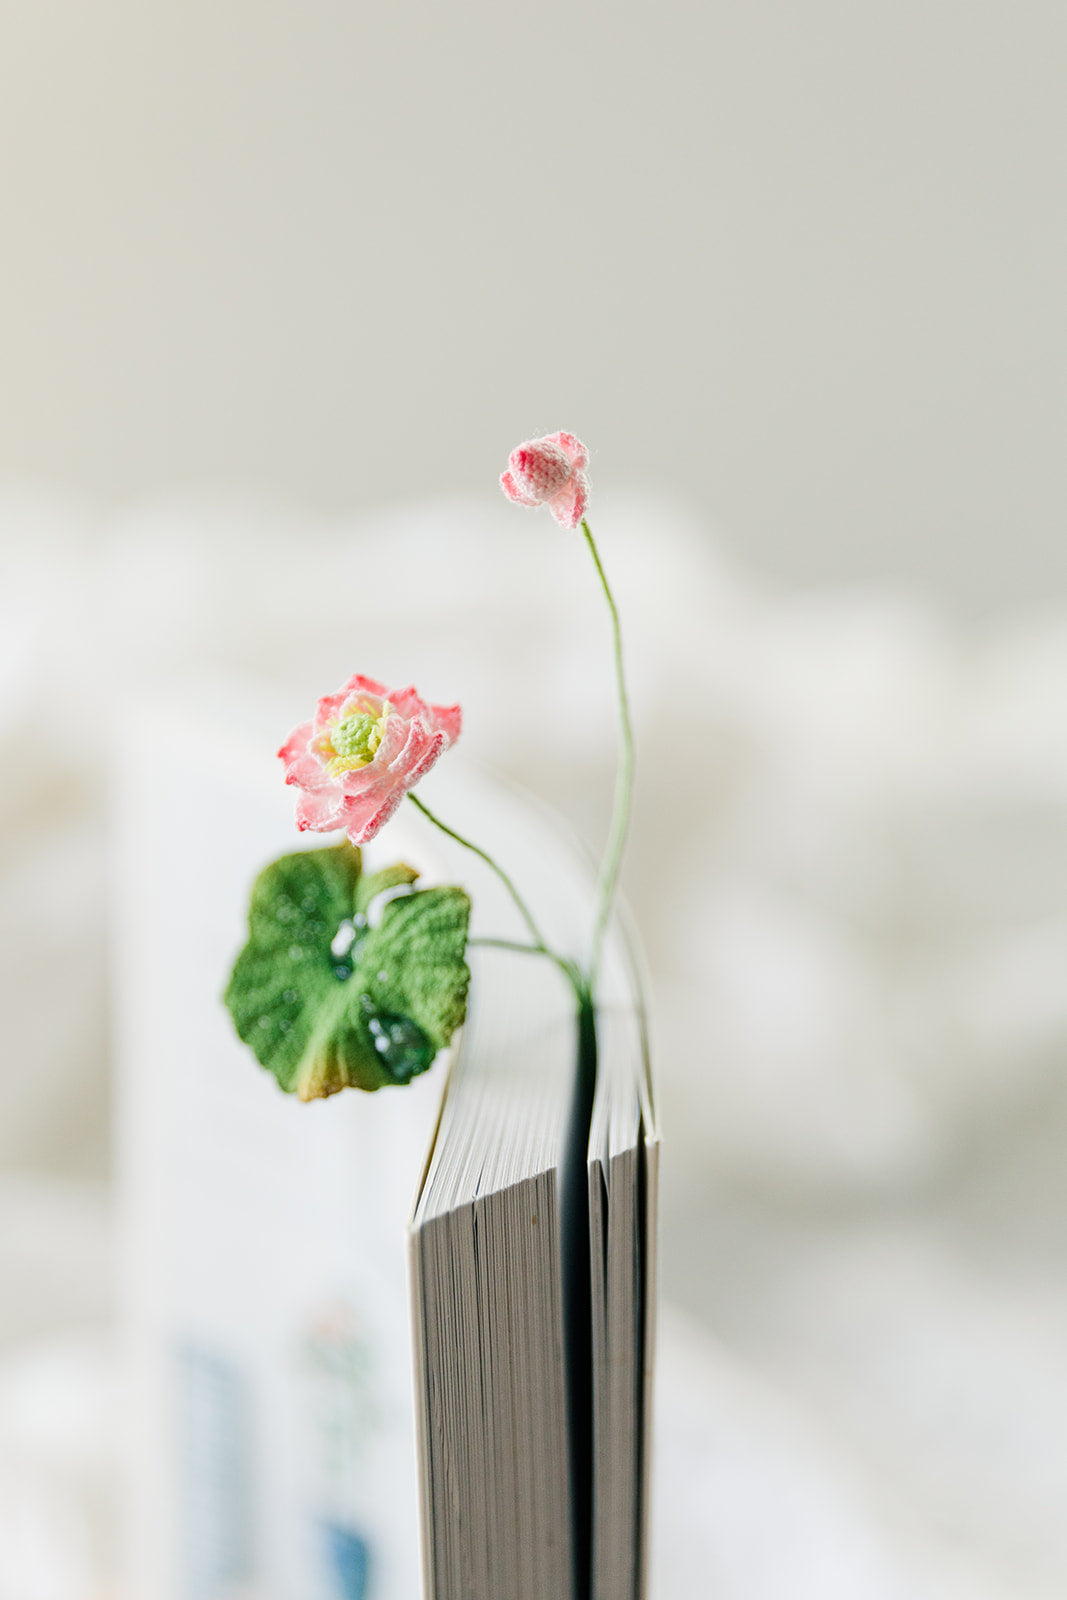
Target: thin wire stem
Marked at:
508, 944
620, 816
566, 966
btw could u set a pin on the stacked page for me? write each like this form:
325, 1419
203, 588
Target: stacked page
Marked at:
533, 1385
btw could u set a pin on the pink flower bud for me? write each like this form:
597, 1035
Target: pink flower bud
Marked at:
365, 748
550, 472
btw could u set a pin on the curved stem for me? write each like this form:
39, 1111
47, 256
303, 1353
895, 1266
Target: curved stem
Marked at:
508, 944
572, 973
620, 816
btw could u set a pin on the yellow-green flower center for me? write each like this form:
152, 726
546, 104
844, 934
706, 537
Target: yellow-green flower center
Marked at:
353, 741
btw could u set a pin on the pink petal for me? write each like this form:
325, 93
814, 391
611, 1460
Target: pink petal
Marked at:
329, 709
437, 745
414, 745
540, 467
297, 742
321, 812
362, 780
302, 765
358, 684
513, 492
332, 706
308, 771
393, 740
362, 702
449, 719
568, 507
572, 448
406, 701
366, 814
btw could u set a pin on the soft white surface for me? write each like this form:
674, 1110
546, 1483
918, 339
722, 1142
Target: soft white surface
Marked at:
849, 866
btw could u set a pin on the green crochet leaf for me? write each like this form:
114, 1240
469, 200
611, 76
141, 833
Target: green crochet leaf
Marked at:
376, 883
326, 1001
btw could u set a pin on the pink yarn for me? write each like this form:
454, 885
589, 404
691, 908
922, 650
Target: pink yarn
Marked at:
550, 472
365, 748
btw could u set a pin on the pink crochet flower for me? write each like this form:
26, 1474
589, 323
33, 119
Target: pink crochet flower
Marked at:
550, 472
364, 750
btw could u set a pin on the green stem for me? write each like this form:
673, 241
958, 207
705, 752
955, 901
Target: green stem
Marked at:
620, 816
508, 944
565, 964
572, 973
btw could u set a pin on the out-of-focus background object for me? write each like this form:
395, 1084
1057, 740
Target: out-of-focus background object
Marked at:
796, 274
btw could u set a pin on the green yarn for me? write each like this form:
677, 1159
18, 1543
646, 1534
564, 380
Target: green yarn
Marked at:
326, 1001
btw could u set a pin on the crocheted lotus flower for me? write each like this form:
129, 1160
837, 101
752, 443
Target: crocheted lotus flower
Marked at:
550, 472
366, 747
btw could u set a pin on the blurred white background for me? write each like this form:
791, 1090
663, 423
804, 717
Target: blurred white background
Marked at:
801, 264
279, 287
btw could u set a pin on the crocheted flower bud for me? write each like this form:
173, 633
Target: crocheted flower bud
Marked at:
550, 472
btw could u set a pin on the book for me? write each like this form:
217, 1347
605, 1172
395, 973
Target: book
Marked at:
284, 1420
271, 1441
533, 1243
532, 1246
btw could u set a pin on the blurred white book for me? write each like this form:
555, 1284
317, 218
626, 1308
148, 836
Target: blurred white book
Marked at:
265, 1298
272, 1450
